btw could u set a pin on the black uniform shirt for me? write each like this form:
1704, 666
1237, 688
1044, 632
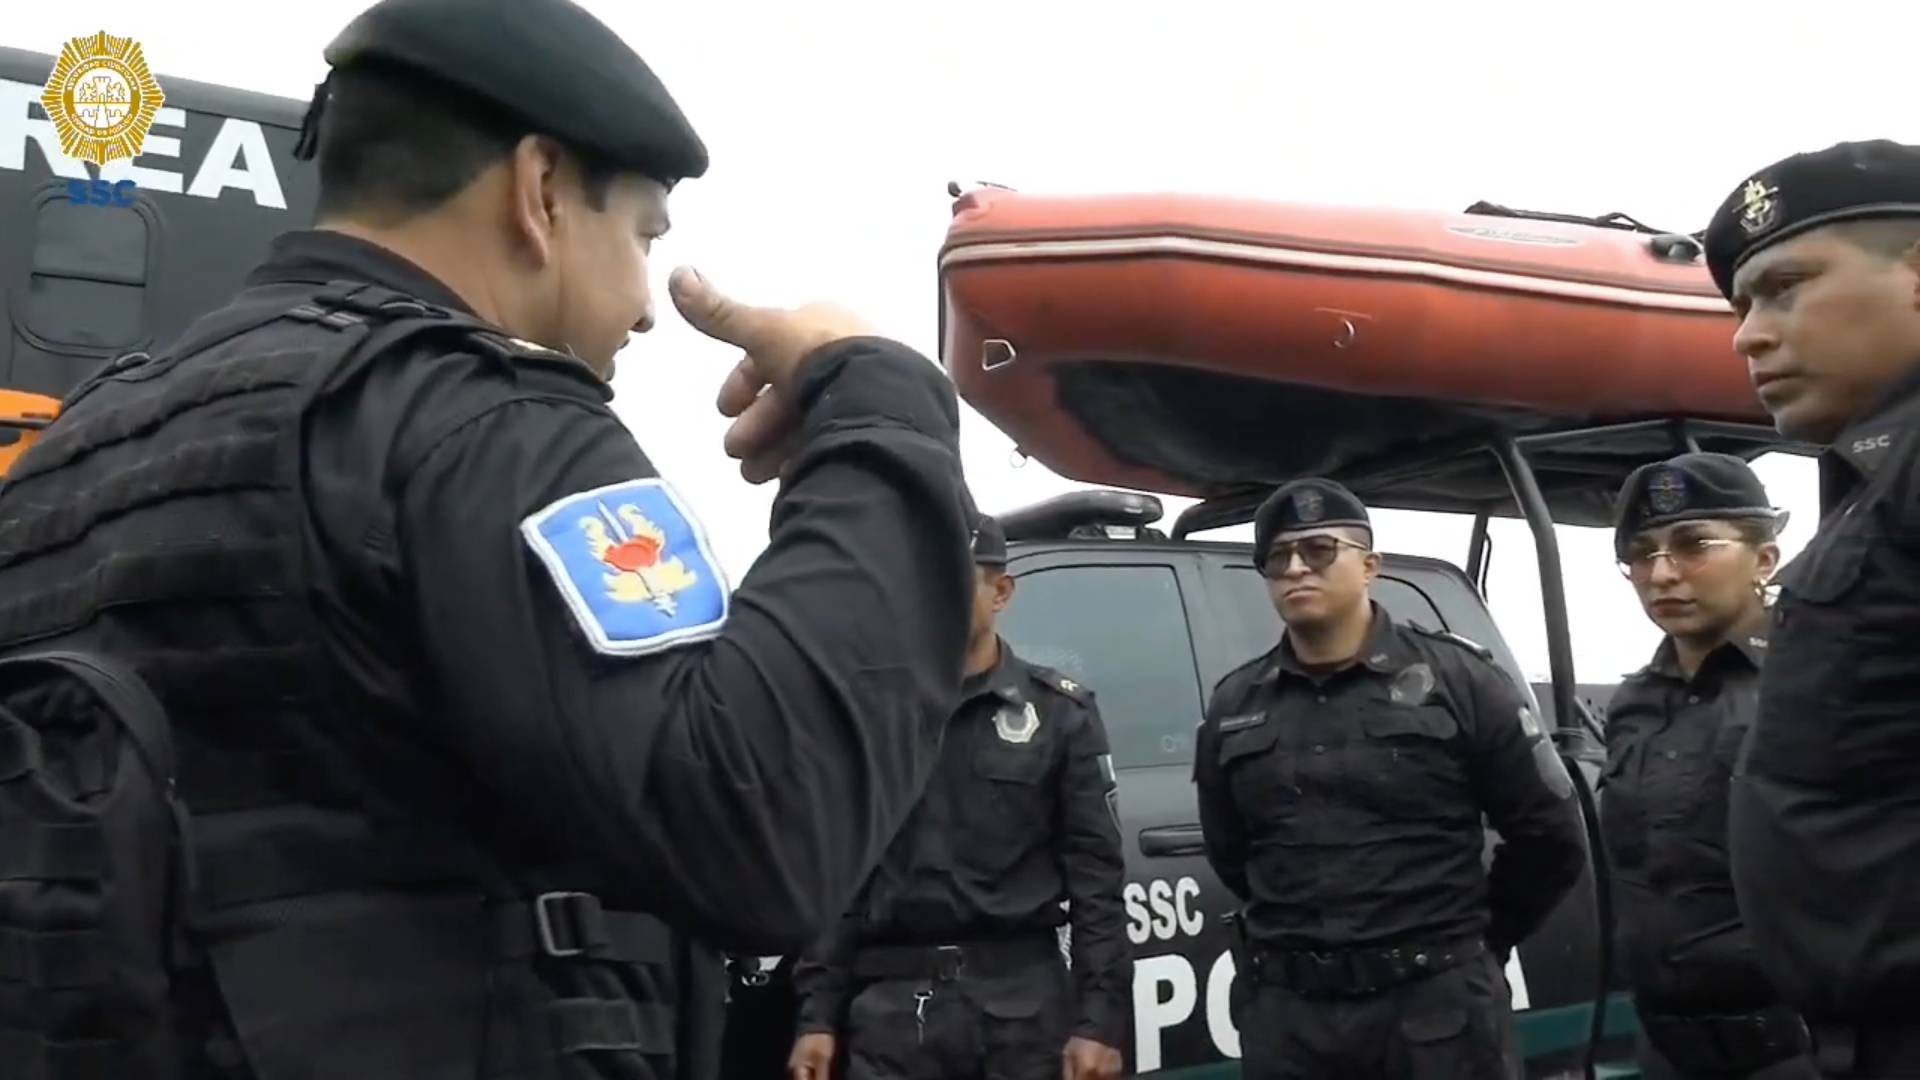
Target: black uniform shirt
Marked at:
683, 771
1346, 808
1671, 746
1018, 817
1826, 808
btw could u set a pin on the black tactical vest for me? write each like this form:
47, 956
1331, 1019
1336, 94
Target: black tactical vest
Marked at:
344, 920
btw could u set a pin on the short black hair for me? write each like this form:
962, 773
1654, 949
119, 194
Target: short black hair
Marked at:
394, 144
1892, 238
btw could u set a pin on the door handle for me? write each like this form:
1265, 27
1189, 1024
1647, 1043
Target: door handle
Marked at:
1169, 840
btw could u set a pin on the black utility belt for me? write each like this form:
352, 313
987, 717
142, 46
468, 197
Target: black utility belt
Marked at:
946, 962
1358, 972
1733, 1043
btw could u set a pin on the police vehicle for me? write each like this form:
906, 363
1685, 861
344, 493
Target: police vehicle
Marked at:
103, 261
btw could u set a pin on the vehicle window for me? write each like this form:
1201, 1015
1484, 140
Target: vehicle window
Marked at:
1122, 630
87, 282
1256, 626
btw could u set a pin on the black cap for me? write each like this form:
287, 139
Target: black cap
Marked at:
1690, 487
989, 542
1312, 503
1845, 182
549, 62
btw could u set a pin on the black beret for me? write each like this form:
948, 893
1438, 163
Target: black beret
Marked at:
989, 542
549, 62
1689, 487
1312, 503
1844, 182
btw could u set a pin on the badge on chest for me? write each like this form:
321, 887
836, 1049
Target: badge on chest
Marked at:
1411, 685
1016, 722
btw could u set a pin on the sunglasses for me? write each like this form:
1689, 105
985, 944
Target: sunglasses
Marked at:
1685, 552
1317, 552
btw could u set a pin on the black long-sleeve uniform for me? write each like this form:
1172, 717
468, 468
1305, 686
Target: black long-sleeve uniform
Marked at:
407, 668
1824, 822
1013, 822
1347, 812
1671, 746
1672, 741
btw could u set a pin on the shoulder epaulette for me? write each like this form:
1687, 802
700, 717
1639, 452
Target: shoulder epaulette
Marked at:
1253, 663
1462, 641
519, 351
514, 348
1253, 670
1048, 677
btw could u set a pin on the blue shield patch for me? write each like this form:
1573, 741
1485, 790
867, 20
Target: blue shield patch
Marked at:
632, 565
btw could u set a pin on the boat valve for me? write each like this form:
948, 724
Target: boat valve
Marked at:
1675, 247
1347, 329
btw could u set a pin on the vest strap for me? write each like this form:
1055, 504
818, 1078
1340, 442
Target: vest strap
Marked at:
573, 924
581, 1024
35, 1057
31, 851
53, 959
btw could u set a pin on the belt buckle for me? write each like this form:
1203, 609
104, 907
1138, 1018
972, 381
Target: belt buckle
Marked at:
1328, 975
543, 920
950, 962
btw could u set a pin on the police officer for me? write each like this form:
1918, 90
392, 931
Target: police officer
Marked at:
458, 686
1820, 256
948, 964
1696, 537
1342, 777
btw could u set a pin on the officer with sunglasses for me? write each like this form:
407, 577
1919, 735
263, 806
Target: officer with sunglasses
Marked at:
1343, 777
1696, 537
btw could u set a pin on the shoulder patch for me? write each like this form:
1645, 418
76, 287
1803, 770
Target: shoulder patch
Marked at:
632, 565
1074, 689
1463, 642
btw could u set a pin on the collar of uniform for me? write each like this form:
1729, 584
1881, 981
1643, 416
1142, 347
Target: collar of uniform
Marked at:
1753, 647
318, 256
1867, 442
1382, 652
1002, 680
1749, 646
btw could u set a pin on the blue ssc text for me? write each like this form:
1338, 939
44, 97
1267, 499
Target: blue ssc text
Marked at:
100, 193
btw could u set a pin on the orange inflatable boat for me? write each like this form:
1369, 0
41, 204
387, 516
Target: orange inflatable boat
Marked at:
1192, 345
22, 416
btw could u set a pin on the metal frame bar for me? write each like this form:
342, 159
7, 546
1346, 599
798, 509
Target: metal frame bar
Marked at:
1477, 552
1512, 452
1553, 588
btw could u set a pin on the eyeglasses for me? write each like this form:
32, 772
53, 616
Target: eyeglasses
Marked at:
1685, 552
1318, 552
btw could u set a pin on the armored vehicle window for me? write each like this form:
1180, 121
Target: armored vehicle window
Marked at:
1122, 630
87, 283
1255, 626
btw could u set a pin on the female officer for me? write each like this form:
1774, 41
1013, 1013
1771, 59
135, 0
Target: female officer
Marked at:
1696, 537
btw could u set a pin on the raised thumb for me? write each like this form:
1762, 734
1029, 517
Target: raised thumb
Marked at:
709, 311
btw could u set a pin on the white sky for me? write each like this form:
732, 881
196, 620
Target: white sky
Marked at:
836, 124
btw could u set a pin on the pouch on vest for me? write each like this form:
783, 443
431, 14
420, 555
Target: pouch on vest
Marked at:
92, 864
